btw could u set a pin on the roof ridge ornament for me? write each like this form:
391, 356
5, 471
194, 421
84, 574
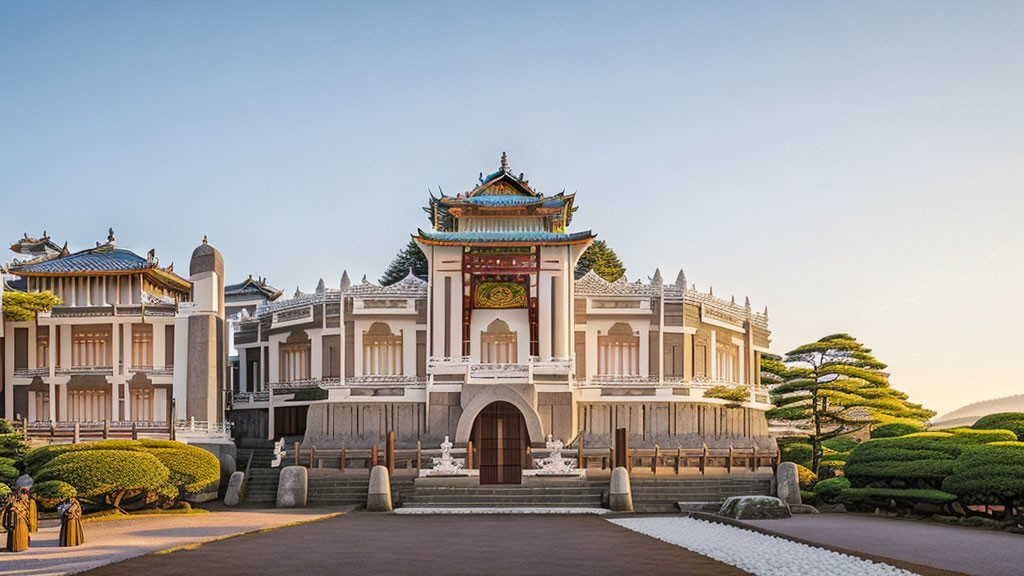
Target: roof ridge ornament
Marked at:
681, 279
345, 282
504, 162
110, 237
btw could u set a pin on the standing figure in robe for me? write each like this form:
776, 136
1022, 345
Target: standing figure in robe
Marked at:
33, 511
71, 533
15, 521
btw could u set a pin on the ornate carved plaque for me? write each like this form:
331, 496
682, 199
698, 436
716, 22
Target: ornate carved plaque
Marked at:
499, 295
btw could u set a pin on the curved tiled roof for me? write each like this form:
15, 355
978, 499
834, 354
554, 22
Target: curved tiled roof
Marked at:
410, 287
95, 260
512, 237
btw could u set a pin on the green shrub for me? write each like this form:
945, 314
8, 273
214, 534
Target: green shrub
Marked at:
870, 498
841, 444
8, 472
989, 474
920, 460
5, 490
6, 426
35, 460
1012, 421
805, 476
798, 452
828, 490
808, 497
109, 475
12, 446
191, 469
972, 436
730, 393
53, 492
895, 429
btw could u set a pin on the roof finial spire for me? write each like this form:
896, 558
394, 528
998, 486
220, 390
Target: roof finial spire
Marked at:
110, 236
504, 162
204, 238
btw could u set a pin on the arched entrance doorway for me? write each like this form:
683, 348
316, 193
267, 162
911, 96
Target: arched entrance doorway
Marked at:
499, 432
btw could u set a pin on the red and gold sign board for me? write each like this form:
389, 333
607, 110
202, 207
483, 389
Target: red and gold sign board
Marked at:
500, 295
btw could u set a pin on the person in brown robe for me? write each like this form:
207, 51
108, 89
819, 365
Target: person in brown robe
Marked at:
15, 521
33, 511
71, 533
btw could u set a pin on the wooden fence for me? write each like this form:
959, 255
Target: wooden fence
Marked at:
702, 459
75, 432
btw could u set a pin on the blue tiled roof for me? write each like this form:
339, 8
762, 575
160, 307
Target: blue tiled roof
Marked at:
95, 260
538, 237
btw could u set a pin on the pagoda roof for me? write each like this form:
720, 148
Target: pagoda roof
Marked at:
36, 246
524, 237
499, 191
104, 259
252, 287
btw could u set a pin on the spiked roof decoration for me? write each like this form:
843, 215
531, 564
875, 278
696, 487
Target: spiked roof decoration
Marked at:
497, 193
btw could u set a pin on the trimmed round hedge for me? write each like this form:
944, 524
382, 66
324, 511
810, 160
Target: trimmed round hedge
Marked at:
798, 452
828, 490
894, 429
183, 469
53, 492
1012, 421
989, 474
5, 490
107, 474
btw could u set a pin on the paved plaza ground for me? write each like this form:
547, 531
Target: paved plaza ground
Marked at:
314, 541
363, 543
113, 540
966, 550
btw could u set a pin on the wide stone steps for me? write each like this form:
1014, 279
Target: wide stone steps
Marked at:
261, 486
586, 496
700, 494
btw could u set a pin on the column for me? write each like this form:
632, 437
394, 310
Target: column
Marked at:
52, 350
713, 353
243, 370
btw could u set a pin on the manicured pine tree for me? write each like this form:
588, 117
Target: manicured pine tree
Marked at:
773, 370
835, 386
601, 259
410, 257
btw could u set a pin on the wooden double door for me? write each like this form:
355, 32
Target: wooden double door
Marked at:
500, 435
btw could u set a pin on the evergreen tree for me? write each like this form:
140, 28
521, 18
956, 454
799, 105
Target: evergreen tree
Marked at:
409, 257
603, 260
835, 386
773, 370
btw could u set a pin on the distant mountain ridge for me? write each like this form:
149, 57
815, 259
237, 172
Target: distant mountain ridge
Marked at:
969, 414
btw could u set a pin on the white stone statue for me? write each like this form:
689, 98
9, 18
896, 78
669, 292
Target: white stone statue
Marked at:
446, 465
554, 463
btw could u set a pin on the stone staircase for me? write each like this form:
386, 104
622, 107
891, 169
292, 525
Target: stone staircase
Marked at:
582, 495
702, 494
261, 457
261, 486
332, 488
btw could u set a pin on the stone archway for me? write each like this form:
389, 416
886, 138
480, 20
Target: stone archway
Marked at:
500, 439
496, 393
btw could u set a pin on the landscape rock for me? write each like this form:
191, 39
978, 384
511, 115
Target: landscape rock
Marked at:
378, 497
227, 468
620, 493
293, 487
233, 493
754, 508
788, 483
839, 509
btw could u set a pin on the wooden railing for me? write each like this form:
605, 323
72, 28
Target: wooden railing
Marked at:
731, 459
75, 432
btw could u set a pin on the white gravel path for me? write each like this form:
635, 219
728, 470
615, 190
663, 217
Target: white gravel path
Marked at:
756, 553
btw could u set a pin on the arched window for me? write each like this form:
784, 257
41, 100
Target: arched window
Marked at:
618, 352
382, 351
498, 344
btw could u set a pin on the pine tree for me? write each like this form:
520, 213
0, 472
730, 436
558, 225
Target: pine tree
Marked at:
409, 257
835, 386
603, 260
773, 370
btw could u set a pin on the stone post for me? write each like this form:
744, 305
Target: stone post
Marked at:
293, 487
787, 482
620, 494
378, 497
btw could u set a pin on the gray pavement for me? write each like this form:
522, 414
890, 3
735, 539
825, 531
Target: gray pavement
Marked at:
367, 543
967, 550
114, 540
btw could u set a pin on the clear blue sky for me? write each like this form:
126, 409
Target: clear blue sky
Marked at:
854, 166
